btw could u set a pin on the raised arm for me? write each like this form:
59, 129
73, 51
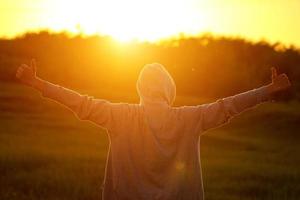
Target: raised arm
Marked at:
85, 107
221, 111
27, 75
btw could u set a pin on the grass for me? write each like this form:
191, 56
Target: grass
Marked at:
46, 153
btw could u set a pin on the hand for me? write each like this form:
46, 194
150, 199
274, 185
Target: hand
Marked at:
27, 74
279, 82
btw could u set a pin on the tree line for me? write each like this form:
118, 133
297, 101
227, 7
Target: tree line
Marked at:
205, 66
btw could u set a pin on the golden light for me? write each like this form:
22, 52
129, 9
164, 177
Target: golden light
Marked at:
126, 20
154, 19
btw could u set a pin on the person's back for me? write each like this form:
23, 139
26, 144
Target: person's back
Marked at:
153, 161
154, 147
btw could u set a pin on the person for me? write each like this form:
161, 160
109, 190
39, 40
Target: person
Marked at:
154, 148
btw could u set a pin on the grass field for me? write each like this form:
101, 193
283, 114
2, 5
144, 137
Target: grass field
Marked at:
46, 153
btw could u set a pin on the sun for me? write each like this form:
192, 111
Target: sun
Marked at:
125, 20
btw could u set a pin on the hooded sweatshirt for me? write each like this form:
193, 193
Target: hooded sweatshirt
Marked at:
154, 151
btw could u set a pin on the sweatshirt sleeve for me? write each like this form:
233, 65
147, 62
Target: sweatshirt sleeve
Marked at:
211, 115
99, 111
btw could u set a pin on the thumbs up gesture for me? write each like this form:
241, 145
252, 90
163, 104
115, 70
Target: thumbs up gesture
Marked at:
27, 74
279, 82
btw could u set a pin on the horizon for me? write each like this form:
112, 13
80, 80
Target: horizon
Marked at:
172, 40
191, 18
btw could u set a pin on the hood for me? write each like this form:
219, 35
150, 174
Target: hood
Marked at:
155, 85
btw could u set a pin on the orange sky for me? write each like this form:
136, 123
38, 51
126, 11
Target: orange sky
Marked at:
272, 20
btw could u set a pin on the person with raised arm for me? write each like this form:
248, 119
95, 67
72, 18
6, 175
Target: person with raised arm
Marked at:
154, 149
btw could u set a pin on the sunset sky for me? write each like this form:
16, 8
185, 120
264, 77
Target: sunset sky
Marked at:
272, 20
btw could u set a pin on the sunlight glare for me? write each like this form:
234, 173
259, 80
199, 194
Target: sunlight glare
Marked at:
127, 20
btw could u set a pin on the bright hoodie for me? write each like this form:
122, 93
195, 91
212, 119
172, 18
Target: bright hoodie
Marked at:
154, 151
